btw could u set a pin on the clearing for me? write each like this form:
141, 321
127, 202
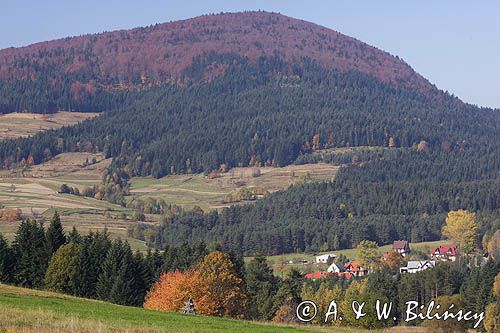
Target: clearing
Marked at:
16, 125
209, 193
305, 262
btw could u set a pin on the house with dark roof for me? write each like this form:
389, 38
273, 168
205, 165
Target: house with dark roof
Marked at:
401, 246
445, 253
336, 267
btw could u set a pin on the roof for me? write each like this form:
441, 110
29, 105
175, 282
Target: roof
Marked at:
419, 264
326, 255
353, 266
400, 245
446, 250
317, 275
339, 265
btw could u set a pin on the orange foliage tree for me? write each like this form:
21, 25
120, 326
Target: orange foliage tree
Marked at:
215, 289
173, 289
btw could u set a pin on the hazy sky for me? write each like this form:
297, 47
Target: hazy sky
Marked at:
453, 43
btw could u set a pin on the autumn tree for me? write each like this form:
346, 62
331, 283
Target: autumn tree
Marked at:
392, 142
174, 288
360, 292
461, 228
450, 325
492, 313
315, 141
224, 287
394, 261
322, 297
369, 255
494, 245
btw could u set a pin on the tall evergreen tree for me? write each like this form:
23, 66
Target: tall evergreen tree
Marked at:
55, 234
109, 271
30, 250
261, 286
6, 260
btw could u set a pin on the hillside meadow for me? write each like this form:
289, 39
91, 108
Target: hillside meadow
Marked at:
26, 310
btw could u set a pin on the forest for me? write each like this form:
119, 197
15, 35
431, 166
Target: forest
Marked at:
438, 154
220, 283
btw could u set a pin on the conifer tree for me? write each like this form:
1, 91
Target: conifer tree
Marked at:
55, 234
261, 286
109, 271
74, 236
6, 260
30, 250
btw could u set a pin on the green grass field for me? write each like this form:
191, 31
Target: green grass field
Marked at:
25, 310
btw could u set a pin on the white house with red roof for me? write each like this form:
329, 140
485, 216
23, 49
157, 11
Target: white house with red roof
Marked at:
445, 253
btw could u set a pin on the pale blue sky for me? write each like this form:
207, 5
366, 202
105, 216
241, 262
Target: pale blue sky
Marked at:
453, 43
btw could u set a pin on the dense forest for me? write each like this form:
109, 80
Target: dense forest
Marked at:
440, 154
381, 200
251, 116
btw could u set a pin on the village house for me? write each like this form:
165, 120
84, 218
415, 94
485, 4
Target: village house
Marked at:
401, 246
417, 266
444, 253
355, 268
336, 267
324, 258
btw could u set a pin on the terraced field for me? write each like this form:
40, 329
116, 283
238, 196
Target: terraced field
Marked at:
15, 125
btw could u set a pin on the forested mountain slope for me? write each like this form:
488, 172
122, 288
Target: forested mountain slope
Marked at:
73, 73
249, 116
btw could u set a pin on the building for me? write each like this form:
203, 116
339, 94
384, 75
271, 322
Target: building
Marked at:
401, 246
316, 275
417, 266
323, 259
444, 253
355, 268
336, 267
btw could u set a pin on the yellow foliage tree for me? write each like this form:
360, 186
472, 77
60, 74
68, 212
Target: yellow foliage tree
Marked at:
494, 245
450, 325
224, 288
322, 298
394, 261
492, 315
461, 228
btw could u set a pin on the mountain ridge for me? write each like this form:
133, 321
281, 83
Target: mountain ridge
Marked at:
162, 52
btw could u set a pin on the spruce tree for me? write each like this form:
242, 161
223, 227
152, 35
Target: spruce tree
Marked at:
55, 234
109, 271
124, 282
6, 260
262, 286
74, 236
30, 250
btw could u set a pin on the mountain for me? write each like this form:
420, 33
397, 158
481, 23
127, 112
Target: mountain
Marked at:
145, 57
260, 89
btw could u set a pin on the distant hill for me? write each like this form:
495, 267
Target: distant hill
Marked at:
144, 57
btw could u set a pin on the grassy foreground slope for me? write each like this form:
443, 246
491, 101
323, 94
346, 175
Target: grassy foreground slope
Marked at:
26, 310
